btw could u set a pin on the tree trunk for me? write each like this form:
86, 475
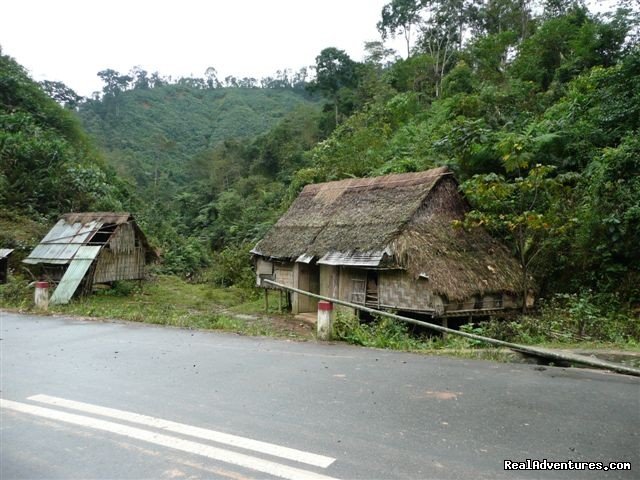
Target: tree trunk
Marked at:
407, 39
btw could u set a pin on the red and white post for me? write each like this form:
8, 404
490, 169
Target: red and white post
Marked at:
325, 310
41, 295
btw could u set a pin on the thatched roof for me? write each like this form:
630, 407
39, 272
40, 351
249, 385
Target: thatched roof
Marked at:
359, 214
103, 218
410, 217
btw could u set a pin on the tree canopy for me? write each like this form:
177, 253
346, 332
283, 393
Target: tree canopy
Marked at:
535, 105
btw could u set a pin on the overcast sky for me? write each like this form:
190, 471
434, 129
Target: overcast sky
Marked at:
71, 40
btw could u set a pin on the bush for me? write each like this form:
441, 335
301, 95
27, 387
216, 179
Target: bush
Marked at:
231, 266
382, 332
121, 288
15, 293
185, 257
571, 318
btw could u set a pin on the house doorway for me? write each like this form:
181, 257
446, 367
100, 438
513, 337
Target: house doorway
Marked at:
371, 297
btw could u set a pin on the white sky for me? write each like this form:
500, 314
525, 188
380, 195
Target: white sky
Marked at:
71, 40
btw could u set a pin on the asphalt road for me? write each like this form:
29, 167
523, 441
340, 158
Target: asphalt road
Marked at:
87, 399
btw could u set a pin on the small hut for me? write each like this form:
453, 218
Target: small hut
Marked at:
389, 242
4, 264
84, 249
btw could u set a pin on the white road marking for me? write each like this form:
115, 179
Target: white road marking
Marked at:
203, 433
227, 456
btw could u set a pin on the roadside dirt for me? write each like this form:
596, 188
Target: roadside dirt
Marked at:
282, 325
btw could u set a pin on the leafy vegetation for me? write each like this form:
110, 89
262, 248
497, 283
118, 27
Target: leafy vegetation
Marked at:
529, 112
47, 164
571, 319
150, 134
534, 105
166, 300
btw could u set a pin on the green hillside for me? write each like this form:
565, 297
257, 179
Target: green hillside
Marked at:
536, 110
47, 164
149, 134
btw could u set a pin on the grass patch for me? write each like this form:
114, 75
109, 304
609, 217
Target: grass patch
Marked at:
165, 300
384, 332
169, 300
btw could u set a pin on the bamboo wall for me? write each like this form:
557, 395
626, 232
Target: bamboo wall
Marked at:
112, 266
396, 289
120, 258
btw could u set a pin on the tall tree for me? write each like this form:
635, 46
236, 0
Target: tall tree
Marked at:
114, 83
211, 74
439, 38
335, 71
498, 16
400, 17
140, 77
377, 54
62, 94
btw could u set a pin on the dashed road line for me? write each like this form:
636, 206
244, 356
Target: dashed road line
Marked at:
190, 430
188, 446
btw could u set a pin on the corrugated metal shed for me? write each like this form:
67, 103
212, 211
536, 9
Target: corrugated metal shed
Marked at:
62, 242
109, 241
5, 252
76, 271
353, 259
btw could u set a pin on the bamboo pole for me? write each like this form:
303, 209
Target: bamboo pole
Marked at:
535, 351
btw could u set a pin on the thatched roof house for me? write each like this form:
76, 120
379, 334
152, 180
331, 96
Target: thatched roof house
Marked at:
389, 242
93, 247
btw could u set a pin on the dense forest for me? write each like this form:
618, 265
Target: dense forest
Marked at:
48, 164
534, 105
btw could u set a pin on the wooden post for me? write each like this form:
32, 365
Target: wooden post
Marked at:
279, 301
266, 300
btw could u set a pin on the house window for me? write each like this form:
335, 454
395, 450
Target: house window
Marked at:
358, 290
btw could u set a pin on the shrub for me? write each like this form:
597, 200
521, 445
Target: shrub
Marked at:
571, 318
231, 266
382, 332
15, 293
121, 288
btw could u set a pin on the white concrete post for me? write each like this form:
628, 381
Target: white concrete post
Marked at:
41, 296
324, 320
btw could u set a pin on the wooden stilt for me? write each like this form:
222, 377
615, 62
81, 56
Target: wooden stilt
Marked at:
280, 301
266, 300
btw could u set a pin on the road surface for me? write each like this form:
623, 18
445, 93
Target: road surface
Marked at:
91, 399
